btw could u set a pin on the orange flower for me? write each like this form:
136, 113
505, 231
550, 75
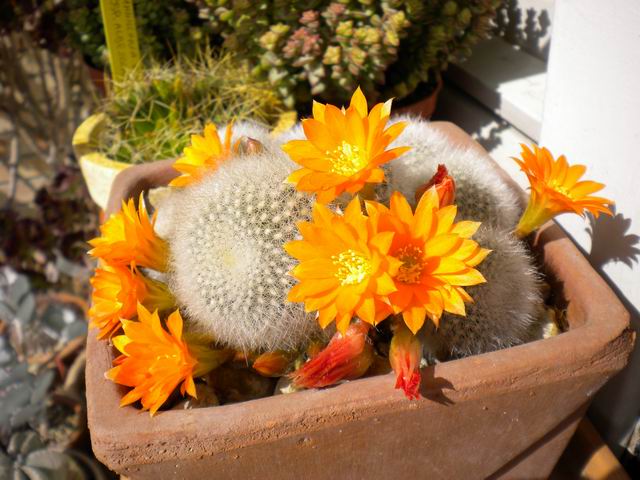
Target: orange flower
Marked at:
405, 354
154, 362
344, 148
273, 364
347, 356
556, 188
128, 236
116, 293
344, 269
204, 155
445, 186
437, 257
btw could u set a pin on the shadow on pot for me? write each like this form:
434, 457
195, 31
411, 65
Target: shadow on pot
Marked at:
431, 387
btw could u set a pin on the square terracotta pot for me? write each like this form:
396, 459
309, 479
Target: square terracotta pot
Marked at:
505, 414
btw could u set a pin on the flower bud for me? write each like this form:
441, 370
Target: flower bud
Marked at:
346, 357
405, 354
273, 364
445, 186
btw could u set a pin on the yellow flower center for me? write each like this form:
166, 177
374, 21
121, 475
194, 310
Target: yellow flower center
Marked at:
411, 269
561, 189
347, 159
353, 267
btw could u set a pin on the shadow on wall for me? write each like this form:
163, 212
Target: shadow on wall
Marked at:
611, 242
532, 33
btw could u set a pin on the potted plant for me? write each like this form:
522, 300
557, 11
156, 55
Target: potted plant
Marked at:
326, 49
151, 113
511, 411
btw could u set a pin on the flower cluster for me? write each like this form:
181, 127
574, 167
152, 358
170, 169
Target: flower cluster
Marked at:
393, 261
355, 263
152, 361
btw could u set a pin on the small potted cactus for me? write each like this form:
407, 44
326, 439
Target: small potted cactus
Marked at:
286, 284
325, 49
151, 113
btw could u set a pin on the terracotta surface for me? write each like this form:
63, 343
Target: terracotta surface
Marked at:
423, 108
505, 414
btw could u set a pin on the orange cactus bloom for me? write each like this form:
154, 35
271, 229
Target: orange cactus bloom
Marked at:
347, 356
436, 255
344, 269
445, 186
204, 155
116, 293
128, 236
273, 364
556, 188
155, 361
405, 354
344, 148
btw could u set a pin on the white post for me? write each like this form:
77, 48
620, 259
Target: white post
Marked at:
592, 115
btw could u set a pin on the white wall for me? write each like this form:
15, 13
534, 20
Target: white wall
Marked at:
592, 115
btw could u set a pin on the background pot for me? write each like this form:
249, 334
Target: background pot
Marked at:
425, 107
98, 170
506, 414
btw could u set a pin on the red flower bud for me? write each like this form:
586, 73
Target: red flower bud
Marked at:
346, 357
405, 354
445, 186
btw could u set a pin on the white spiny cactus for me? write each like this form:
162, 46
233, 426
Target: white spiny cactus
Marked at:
164, 202
481, 194
229, 270
506, 309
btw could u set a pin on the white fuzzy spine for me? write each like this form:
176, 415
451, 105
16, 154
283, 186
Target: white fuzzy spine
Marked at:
481, 194
229, 270
506, 309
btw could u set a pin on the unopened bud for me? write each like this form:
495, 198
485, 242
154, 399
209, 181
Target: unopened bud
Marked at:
445, 186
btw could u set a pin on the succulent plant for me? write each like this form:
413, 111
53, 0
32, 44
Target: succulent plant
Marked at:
481, 194
47, 238
326, 48
27, 457
229, 270
506, 310
151, 114
36, 324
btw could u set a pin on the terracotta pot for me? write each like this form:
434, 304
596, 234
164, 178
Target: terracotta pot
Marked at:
422, 108
505, 414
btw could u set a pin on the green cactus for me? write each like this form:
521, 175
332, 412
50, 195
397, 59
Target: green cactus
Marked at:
324, 49
152, 113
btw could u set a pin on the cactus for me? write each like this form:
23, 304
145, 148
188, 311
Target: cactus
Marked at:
506, 310
229, 270
152, 112
326, 48
481, 194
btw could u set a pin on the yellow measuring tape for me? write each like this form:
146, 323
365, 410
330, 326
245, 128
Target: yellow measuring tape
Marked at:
122, 39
